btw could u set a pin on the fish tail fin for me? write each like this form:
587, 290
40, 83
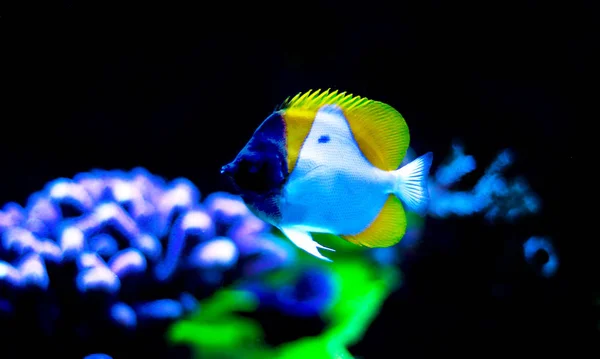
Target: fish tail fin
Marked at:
411, 184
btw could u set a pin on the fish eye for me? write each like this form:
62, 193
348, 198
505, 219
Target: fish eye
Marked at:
249, 166
324, 139
254, 175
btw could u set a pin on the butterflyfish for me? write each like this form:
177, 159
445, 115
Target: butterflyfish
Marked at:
328, 162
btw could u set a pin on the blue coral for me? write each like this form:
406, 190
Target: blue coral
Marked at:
493, 195
539, 252
122, 254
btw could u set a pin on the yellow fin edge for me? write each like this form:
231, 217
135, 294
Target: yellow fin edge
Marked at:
387, 229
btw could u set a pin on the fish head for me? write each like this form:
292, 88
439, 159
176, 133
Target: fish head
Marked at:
256, 172
259, 171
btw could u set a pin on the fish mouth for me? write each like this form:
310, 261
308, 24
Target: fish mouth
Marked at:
228, 172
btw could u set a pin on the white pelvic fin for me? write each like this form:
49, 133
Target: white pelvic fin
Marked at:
304, 241
411, 184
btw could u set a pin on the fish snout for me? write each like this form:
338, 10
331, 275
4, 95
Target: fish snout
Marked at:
251, 174
228, 170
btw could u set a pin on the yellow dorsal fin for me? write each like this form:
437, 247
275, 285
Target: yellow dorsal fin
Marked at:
387, 229
379, 130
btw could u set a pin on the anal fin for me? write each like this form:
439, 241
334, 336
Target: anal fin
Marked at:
304, 241
387, 229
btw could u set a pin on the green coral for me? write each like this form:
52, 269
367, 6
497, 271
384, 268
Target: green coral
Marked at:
217, 331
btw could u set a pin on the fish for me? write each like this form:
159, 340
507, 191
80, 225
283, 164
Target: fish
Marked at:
328, 162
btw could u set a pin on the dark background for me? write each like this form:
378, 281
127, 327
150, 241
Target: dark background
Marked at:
180, 89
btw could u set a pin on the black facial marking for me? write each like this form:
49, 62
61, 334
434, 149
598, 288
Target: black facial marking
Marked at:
261, 166
323, 139
258, 172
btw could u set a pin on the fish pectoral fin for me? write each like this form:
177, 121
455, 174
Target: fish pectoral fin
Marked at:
303, 240
387, 229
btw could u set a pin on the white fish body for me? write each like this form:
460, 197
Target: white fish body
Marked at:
335, 189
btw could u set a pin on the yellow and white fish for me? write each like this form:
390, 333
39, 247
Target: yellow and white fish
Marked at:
327, 162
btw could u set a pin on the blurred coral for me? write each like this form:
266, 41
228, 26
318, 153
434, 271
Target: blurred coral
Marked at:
114, 257
98, 356
313, 310
493, 195
540, 253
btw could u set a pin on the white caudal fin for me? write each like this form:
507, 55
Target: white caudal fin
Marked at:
304, 241
411, 184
